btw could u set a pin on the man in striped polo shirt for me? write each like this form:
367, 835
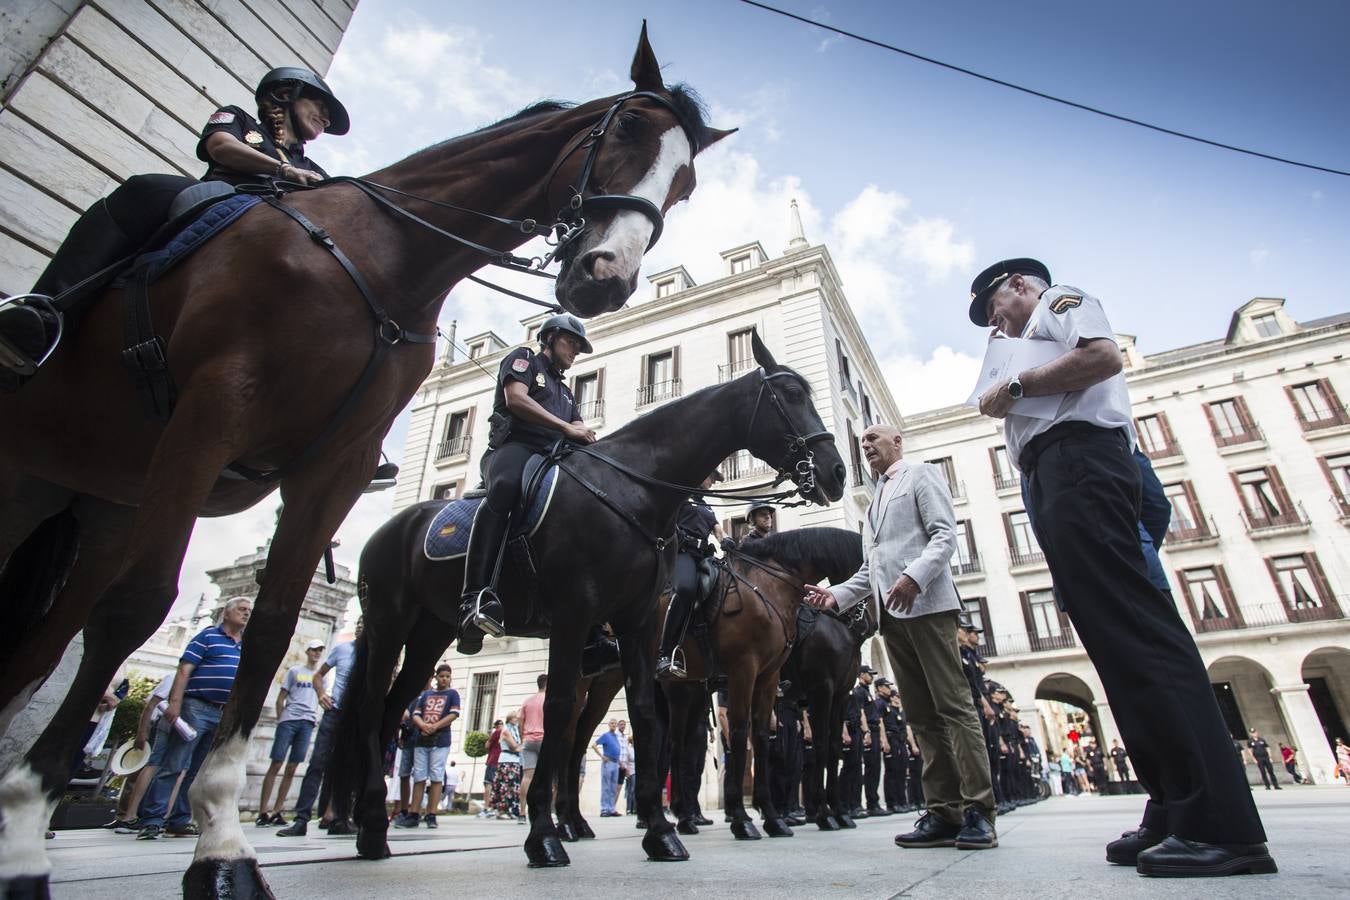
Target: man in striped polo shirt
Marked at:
206, 673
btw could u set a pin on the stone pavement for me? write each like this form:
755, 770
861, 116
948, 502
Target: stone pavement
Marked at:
1053, 849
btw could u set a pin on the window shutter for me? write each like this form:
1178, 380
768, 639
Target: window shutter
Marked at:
600, 384
1008, 533
1337, 410
1167, 429
1279, 587
1320, 580
1026, 616
1226, 589
1293, 401
1331, 480
1286, 505
468, 422
644, 372
675, 364
1213, 425
1244, 416
1242, 496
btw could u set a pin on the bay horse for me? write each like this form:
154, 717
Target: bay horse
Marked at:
265, 339
603, 553
752, 631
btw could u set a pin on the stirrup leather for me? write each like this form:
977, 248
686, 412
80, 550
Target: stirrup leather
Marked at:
481, 620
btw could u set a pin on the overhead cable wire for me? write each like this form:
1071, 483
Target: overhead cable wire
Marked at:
1041, 94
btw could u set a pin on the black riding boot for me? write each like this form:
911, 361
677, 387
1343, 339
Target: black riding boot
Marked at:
480, 610
600, 654
668, 664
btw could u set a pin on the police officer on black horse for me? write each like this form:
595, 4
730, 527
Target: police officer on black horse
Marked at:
694, 523
532, 410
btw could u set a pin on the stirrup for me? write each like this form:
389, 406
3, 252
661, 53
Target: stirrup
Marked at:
481, 620
676, 668
14, 359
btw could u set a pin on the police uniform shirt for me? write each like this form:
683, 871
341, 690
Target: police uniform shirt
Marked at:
545, 385
857, 698
234, 121
695, 521
1260, 749
1118, 755
1067, 315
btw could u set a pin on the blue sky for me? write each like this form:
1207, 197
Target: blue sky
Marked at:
917, 177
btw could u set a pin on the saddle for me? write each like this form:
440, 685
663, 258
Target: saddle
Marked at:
447, 536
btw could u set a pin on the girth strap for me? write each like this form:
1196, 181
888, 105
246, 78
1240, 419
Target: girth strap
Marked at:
144, 353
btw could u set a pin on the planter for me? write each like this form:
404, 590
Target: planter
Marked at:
70, 815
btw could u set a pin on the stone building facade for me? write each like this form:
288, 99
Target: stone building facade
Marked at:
1251, 439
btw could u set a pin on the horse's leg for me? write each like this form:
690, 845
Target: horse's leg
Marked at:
568, 788
739, 689
766, 691
680, 700
604, 688
30, 790
314, 505
818, 759
543, 846
648, 715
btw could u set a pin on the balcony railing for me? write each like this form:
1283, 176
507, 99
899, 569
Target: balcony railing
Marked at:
1327, 417
1169, 450
744, 465
456, 446
849, 390
1232, 439
734, 369
1200, 530
860, 477
1289, 520
1021, 642
1007, 481
592, 411
1026, 557
1269, 614
958, 490
658, 391
971, 566
1341, 505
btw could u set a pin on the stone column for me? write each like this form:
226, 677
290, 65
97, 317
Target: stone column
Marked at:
1107, 721
1305, 732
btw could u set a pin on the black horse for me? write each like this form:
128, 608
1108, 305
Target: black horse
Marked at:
603, 554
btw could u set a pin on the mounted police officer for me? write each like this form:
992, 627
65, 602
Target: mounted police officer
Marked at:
532, 410
694, 523
759, 515
294, 105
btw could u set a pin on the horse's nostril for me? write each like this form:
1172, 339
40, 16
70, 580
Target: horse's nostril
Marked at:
595, 263
840, 473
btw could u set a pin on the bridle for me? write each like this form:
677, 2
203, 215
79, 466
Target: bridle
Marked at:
799, 461
571, 218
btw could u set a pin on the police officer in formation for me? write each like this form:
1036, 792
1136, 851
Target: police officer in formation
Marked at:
787, 752
864, 738
895, 755
1121, 759
1084, 491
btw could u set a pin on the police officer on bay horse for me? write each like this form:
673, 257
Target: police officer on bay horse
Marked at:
693, 524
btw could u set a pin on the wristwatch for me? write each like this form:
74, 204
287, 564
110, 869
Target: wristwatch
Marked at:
1015, 388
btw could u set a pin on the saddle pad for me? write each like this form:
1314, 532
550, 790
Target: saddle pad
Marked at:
448, 534
213, 220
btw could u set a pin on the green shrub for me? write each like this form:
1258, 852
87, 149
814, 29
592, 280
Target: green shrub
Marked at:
475, 744
128, 712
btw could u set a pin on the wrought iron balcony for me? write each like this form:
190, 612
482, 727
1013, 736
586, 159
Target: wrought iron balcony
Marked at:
658, 391
1201, 530
1022, 642
1267, 615
1020, 557
735, 369
1169, 450
1326, 417
456, 446
1226, 438
743, 464
592, 411
972, 566
1007, 481
1276, 523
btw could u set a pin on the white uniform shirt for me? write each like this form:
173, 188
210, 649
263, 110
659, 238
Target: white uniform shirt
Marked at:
1067, 315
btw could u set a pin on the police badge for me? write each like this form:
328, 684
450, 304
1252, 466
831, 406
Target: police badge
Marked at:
539, 379
253, 139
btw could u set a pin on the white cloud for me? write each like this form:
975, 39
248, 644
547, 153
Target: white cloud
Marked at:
945, 378
1259, 255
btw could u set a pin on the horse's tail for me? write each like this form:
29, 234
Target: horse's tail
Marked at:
347, 761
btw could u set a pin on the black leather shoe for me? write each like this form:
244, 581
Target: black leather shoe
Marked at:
701, 819
298, 828
876, 812
857, 812
1179, 858
482, 613
978, 833
599, 656
929, 831
1124, 850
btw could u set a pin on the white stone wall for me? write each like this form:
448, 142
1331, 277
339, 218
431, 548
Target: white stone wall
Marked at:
100, 90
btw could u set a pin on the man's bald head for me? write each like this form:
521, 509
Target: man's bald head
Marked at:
882, 446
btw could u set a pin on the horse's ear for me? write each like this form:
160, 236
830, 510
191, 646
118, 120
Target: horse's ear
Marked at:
710, 136
762, 354
646, 71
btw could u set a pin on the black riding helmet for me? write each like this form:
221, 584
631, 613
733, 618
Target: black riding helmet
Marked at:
568, 323
308, 84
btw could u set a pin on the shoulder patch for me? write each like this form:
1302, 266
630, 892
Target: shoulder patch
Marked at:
1065, 302
520, 365
220, 117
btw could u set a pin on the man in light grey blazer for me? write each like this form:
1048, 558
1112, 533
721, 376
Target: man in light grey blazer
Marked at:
908, 540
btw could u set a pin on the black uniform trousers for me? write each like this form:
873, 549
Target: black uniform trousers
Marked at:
990, 730
850, 770
1085, 492
1264, 766
915, 781
897, 764
785, 763
872, 767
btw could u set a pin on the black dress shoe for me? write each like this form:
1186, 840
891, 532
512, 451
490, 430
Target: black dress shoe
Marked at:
877, 812
929, 831
1124, 850
978, 833
857, 813
1180, 858
701, 819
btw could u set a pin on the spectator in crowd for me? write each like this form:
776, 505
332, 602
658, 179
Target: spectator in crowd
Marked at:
407, 743
1068, 783
494, 752
200, 688
1121, 759
1080, 769
1343, 760
314, 787
506, 795
435, 712
1260, 751
150, 729
626, 755
608, 748
297, 711
452, 777
532, 737
1290, 757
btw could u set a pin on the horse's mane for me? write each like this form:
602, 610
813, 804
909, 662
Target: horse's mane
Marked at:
837, 551
685, 99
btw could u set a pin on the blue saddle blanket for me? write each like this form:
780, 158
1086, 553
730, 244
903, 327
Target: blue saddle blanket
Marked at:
213, 220
448, 534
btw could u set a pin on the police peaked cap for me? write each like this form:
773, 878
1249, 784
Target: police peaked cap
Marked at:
568, 323
988, 281
338, 120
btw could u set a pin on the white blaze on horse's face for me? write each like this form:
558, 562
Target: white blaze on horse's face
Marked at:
619, 248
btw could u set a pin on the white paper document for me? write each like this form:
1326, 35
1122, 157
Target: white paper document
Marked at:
1007, 357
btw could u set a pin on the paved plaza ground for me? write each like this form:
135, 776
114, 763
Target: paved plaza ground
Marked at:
1053, 849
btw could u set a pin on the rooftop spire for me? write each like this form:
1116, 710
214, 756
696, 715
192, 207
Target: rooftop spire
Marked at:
797, 237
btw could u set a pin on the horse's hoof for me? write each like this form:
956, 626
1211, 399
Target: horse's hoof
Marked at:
225, 879
641, 824
371, 843
664, 846
546, 852
827, 823
777, 828
567, 832
845, 821
584, 830
745, 830
686, 826
26, 887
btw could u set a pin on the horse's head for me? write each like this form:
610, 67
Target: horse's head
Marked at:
786, 431
625, 171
